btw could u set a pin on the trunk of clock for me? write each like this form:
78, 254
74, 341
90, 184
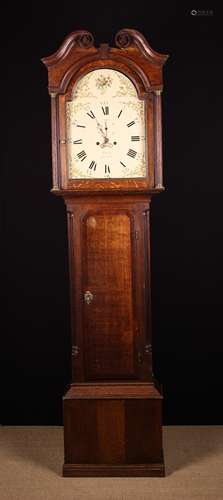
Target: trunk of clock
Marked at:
112, 411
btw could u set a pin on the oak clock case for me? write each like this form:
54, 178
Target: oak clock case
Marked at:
107, 165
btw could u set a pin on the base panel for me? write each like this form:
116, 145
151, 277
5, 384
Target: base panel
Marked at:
113, 430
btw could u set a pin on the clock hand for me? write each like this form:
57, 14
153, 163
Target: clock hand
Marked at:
106, 143
106, 129
106, 140
100, 129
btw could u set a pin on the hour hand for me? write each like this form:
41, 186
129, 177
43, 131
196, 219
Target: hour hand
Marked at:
100, 129
106, 143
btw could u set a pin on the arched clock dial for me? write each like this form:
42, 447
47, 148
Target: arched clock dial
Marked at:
105, 128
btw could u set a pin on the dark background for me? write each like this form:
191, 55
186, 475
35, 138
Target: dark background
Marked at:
186, 220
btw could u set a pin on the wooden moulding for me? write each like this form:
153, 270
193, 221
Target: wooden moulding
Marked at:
113, 391
78, 49
124, 470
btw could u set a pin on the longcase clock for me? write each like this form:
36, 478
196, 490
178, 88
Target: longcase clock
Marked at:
107, 165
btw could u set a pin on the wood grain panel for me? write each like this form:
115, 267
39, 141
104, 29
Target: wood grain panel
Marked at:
109, 322
111, 431
80, 436
143, 431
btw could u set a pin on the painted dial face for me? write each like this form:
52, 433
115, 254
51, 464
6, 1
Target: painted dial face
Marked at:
105, 123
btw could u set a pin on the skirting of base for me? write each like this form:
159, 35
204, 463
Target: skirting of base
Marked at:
107, 470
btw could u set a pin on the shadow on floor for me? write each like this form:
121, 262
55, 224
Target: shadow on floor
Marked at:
183, 445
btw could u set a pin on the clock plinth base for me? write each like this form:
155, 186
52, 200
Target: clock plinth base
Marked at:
113, 430
110, 470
